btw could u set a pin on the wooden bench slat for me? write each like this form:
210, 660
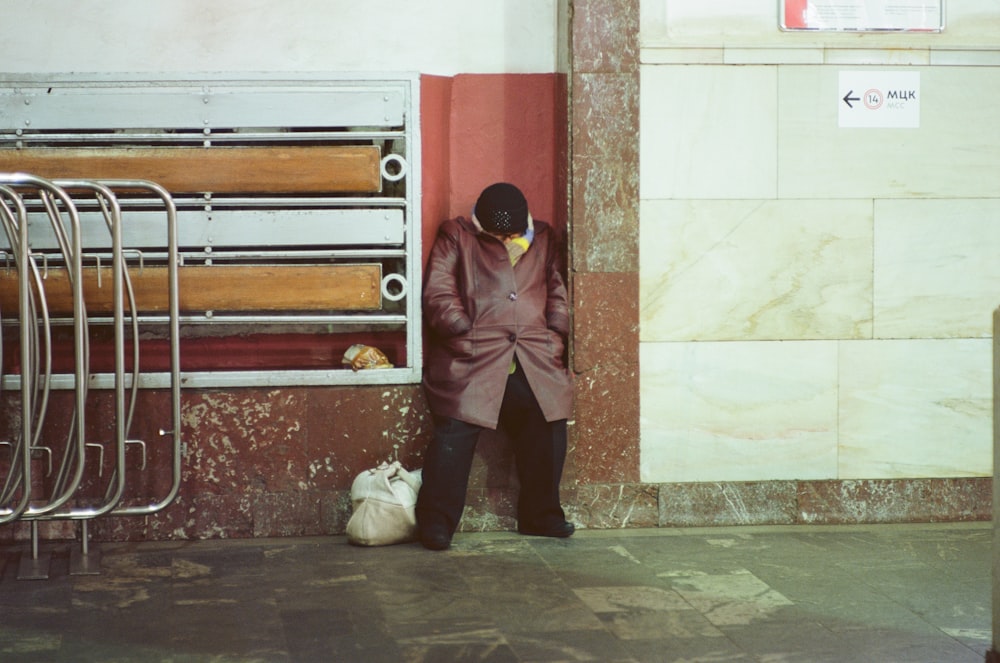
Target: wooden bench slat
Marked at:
222, 169
219, 288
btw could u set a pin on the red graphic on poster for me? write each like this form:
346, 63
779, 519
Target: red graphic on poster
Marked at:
795, 14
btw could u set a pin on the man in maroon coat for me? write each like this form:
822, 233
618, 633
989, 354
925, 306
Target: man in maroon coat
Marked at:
496, 308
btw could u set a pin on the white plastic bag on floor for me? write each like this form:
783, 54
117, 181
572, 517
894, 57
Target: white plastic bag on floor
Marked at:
384, 501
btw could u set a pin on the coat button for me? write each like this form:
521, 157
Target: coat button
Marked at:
512, 296
512, 338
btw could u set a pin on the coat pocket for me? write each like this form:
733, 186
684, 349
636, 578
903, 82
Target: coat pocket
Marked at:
451, 358
555, 348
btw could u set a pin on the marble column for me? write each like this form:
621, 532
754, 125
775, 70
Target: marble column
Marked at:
604, 243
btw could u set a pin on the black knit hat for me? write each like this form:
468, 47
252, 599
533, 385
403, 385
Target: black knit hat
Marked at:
502, 209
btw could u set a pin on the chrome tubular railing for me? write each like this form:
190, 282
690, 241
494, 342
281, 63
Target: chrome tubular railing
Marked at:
27, 494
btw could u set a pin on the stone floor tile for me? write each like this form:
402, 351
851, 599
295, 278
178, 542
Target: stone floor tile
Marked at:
744, 594
688, 650
630, 598
570, 645
647, 625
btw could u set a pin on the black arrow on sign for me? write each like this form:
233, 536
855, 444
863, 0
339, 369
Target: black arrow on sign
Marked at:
848, 99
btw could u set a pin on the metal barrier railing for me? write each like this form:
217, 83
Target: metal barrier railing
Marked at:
32, 496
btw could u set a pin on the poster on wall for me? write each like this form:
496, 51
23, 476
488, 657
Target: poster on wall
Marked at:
863, 15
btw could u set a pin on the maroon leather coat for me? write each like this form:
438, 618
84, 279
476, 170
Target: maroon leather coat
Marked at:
481, 311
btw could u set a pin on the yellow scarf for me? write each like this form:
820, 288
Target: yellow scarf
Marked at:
516, 246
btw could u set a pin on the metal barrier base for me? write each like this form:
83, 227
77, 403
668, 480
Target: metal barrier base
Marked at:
34, 568
85, 563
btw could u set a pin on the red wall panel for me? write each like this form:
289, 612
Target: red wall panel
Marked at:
484, 128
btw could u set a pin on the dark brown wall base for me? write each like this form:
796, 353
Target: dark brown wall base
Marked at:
871, 501
826, 502
595, 506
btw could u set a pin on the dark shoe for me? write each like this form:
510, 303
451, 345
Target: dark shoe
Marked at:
559, 530
435, 539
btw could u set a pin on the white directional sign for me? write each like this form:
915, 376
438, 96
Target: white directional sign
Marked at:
879, 99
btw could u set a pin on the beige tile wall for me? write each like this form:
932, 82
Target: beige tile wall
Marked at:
737, 270
738, 411
815, 301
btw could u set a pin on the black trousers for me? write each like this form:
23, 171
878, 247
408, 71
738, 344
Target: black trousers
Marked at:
539, 452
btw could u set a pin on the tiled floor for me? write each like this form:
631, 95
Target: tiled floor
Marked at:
795, 594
